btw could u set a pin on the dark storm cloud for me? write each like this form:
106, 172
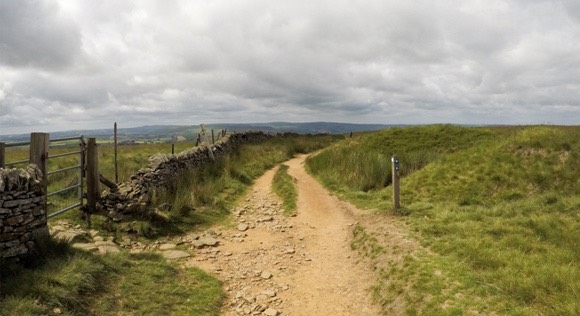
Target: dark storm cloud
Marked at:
89, 63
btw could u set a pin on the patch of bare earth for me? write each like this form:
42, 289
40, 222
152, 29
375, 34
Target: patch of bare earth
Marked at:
272, 264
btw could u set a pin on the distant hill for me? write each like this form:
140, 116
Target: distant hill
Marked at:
167, 132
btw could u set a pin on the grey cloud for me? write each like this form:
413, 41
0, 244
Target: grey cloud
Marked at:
153, 62
34, 33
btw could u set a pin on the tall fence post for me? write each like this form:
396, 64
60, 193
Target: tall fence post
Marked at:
39, 143
39, 153
396, 186
2, 153
92, 176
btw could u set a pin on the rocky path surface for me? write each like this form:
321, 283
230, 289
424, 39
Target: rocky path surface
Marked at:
272, 264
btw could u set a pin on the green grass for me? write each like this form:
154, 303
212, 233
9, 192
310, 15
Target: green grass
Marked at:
79, 283
145, 284
283, 185
498, 210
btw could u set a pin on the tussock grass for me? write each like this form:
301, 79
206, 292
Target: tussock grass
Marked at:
283, 185
497, 208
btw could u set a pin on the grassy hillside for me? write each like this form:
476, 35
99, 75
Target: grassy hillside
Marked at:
497, 211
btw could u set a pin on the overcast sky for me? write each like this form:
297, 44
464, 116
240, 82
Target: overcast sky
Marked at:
67, 64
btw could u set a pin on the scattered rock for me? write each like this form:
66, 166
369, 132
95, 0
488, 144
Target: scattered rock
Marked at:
72, 236
271, 312
90, 247
175, 254
108, 248
167, 246
269, 293
265, 219
205, 241
243, 227
266, 275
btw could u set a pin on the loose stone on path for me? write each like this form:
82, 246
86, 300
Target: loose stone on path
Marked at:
243, 227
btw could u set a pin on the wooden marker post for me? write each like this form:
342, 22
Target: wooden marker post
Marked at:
396, 186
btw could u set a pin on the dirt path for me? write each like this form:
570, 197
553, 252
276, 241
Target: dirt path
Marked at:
278, 265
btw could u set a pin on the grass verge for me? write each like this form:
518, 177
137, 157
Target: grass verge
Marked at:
283, 185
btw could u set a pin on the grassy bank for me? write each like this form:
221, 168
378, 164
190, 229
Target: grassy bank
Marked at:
497, 210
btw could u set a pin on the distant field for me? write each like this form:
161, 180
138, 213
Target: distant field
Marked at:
496, 208
131, 158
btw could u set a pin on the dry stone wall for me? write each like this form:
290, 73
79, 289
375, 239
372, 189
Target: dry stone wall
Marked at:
22, 213
133, 195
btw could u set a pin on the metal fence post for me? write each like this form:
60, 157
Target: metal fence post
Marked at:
92, 176
115, 149
82, 150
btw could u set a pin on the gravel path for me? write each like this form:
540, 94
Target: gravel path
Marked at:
272, 264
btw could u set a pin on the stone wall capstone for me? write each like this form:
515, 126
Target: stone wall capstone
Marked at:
22, 213
134, 194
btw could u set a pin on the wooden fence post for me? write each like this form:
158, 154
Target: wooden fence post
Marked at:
92, 175
212, 139
39, 154
173, 149
39, 143
396, 186
2, 152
